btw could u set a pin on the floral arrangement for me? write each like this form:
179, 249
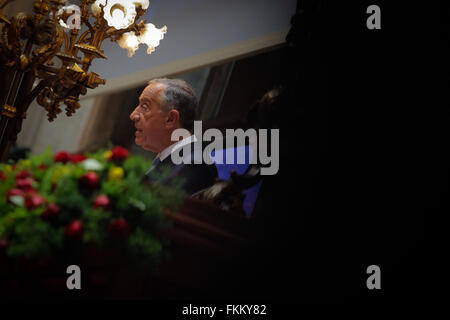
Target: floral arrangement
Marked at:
51, 204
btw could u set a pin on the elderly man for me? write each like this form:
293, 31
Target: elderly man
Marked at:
164, 106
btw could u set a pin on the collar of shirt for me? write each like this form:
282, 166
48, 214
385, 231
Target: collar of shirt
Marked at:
168, 151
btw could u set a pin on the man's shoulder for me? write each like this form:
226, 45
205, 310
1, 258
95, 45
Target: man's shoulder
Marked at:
190, 160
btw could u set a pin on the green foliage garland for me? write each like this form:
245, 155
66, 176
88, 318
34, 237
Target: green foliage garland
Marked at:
37, 218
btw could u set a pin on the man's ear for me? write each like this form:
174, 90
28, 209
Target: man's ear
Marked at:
173, 119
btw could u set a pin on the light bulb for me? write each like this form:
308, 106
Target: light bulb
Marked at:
119, 14
151, 36
143, 3
96, 10
129, 41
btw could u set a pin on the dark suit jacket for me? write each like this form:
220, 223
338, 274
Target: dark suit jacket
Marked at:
191, 177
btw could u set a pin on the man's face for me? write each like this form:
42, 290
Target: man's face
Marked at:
150, 121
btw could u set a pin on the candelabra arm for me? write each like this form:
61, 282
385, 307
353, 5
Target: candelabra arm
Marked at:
35, 92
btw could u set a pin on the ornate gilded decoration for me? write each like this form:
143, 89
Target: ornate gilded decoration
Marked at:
9, 111
47, 55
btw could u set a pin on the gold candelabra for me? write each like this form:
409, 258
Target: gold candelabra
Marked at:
39, 54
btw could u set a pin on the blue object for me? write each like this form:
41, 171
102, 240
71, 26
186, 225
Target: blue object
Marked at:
224, 169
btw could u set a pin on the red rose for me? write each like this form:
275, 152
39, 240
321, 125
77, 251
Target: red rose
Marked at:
23, 174
51, 212
89, 180
101, 201
74, 230
119, 229
62, 156
33, 201
42, 167
2, 176
14, 192
77, 158
24, 184
119, 154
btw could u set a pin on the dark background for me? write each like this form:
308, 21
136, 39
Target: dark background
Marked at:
362, 153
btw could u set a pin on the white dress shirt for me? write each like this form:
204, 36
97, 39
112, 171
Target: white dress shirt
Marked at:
168, 151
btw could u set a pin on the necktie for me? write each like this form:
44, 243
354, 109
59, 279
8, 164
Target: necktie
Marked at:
155, 163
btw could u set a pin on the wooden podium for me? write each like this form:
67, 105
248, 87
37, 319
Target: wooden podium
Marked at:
209, 246
209, 254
